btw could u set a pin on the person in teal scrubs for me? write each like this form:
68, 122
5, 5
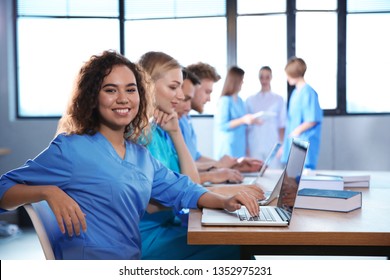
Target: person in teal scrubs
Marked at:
95, 177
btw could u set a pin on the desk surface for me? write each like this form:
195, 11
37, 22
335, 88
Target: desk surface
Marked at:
369, 226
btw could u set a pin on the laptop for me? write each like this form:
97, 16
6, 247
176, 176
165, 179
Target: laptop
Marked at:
270, 182
267, 161
279, 215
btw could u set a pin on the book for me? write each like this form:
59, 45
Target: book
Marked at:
329, 200
321, 182
362, 184
348, 176
351, 179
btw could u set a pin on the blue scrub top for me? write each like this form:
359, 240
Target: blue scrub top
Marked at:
189, 136
304, 107
161, 148
229, 141
111, 191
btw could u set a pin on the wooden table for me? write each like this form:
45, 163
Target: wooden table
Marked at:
364, 232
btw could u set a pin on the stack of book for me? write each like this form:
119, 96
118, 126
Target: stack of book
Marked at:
352, 180
326, 191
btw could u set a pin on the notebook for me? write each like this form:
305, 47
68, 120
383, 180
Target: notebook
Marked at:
279, 215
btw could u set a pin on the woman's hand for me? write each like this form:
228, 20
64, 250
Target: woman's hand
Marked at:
248, 119
168, 122
243, 198
245, 164
226, 161
222, 175
69, 216
232, 203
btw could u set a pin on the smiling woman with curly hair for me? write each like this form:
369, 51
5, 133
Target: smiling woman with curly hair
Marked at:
93, 175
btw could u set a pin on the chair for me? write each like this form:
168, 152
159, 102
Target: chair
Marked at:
45, 225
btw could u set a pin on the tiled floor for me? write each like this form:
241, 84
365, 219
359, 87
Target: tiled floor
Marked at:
23, 246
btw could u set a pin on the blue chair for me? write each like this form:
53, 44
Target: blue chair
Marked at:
45, 225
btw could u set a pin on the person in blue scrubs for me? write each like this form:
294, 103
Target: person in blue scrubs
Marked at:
96, 179
231, 119
304, 116
208, 76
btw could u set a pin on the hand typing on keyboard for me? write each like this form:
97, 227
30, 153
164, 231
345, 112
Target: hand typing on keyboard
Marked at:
243, 198
264, 215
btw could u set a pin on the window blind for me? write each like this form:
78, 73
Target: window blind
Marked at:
153, 9
356, 6
68, 8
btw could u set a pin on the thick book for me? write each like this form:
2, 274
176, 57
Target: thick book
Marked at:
321, 182
329, 200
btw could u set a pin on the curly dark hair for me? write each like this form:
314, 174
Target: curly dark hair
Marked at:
82, 115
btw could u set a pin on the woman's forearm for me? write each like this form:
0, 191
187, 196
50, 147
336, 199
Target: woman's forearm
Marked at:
236, 122
302, 128
21, 194
212, 200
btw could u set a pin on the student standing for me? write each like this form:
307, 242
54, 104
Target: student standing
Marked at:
231, 119
304, 116
94, 176
208, 75
262, 135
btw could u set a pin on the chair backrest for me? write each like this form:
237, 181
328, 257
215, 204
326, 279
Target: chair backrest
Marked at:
45, 224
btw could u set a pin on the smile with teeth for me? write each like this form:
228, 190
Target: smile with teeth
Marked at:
122, 111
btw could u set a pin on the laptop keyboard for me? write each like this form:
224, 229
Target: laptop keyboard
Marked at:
264, 215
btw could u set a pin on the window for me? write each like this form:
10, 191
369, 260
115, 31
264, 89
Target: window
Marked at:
316, 43
347, 61
190, 31
260, 6
368, 56
262, 46
52, 42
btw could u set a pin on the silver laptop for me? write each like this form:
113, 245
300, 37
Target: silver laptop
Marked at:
279, 215
267, 161
271, 184
271, 181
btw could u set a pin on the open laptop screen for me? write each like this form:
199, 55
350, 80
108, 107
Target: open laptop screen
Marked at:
269, 158
292, 176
